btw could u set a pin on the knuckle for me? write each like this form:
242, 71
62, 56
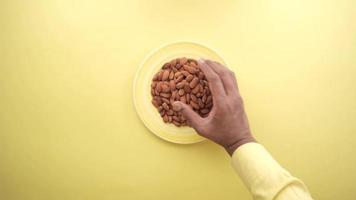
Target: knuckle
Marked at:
238, 101
202, 130
231, 73
214, 78
225, 74
220, 107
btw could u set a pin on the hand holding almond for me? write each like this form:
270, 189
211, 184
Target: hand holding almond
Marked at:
227, 122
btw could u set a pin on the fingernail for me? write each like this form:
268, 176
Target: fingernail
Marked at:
201, 62
177, 106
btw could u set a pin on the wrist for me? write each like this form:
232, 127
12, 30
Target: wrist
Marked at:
232, 147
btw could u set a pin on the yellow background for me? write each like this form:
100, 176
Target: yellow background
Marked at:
68, 129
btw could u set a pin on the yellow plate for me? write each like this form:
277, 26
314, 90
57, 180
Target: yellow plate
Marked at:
142, 89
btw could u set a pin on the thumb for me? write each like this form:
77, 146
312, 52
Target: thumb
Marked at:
193, 118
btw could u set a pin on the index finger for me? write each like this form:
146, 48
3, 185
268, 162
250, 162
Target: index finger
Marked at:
215, 83
227, 76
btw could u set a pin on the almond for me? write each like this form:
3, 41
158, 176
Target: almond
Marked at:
179, 79
194, 105
200, 103
158, 87
153, 84
189, 78
169, 112
165, 95
185, 73
186, 88
165, 118
171, 75
193, 64
165, 100
173, 62
165, 88
154, 102
183, 61
176, 123
159, 77
190, 69
204, 98
175, 118
193, 98
181, 92
187, 96
155, 77
172, 100
182, 99
174, 93
209, 99
166, 66
165, 75
194, 82
201, 89
196, 89
204, 111
165, 106
177, 74
158, 99
180, 85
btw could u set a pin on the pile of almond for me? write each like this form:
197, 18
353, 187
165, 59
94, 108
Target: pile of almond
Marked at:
180, 80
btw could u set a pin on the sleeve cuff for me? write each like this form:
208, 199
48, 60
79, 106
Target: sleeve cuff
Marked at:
262, 175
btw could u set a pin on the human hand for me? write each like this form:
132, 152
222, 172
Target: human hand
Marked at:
227, 123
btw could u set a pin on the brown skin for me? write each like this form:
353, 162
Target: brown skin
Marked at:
227, 123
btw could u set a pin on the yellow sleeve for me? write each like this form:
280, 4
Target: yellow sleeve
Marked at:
264, 177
